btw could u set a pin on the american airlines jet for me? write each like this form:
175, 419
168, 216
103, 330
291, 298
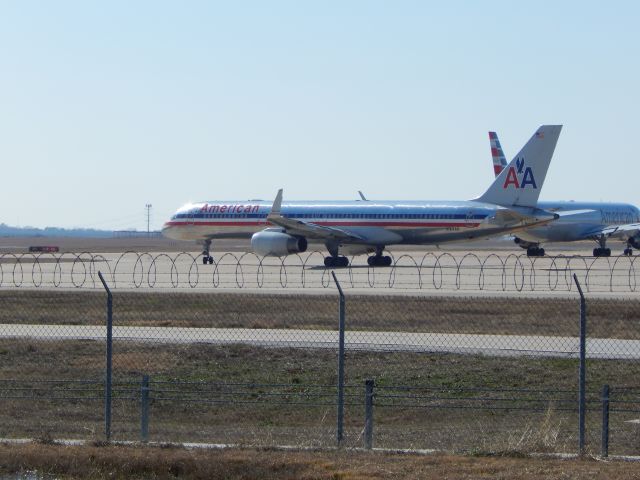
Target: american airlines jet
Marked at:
578, 220
358, 227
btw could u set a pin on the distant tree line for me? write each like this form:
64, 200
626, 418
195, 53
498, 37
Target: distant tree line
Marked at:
9, 231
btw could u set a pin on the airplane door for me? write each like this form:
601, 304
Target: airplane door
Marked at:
191, 218
468, 221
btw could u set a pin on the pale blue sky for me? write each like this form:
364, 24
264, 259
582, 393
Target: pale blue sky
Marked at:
107, 106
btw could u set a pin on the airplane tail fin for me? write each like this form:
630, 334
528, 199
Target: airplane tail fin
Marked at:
520, 182
499, 160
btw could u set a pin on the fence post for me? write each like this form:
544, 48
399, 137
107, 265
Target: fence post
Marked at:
340, 429
368, 414
144, 409
582, 404
107, 390
605, 421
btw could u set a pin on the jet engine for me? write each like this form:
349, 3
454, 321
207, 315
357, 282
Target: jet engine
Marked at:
276, 243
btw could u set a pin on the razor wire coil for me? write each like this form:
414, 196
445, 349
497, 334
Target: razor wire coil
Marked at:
429, 271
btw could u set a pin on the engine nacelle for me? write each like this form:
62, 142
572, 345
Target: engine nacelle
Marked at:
277, 244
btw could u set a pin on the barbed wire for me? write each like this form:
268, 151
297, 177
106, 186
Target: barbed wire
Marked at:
236, 393
428, 271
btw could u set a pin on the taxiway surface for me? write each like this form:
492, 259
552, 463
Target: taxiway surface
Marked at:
495, 345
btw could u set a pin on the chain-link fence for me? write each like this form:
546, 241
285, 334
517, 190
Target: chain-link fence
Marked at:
483, 373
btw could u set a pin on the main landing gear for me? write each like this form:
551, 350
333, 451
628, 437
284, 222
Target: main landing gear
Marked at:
533, 249
535, 252
335, 260
602, 250
379, 260
206, 257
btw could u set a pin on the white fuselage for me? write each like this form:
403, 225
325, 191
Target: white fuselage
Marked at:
377, 223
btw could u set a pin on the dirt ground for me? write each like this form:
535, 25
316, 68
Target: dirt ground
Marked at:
160, 462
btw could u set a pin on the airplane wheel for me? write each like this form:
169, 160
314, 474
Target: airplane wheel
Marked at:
607, 252
210, 260
379, 261
628, 252
336, 262
535, 252
205, 260
596, 252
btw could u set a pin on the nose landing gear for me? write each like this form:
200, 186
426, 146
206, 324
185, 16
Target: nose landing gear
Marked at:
632, 243
206, 257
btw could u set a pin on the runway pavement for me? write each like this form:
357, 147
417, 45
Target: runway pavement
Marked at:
413, 271
494, 345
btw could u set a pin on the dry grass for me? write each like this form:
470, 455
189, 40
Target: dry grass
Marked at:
543, 433
608, 318
309, 421
117, 462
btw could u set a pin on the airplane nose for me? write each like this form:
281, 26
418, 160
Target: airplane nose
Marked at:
167, 230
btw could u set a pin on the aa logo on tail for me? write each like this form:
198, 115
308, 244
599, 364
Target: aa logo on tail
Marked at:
519, 176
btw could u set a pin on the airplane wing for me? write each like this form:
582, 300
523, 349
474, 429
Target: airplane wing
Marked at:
568, 213
525, 215
618, 231
308, 229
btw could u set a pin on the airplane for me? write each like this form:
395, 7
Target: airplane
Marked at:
596, 221
367, 226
